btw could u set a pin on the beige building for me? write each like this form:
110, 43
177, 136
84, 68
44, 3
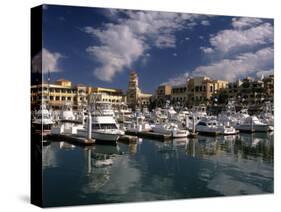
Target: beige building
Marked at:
110, 95
163, 93
179, 94
54, 94
62, 91
201, 89
233, 89
134, 95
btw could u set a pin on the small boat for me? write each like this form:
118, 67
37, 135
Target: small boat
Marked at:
170, 129
253, 124
210, 125
42, 122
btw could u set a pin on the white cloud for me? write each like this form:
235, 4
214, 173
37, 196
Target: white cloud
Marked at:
175, 54
245, 22
242, 65
187, 38
123, 43
46, 61
178, 80
205, 22
264, 73
201, 37
119, 49
165, 41
206, 50
228, 40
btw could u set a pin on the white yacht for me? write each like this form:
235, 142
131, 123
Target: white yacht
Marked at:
210, 125
139, 125
253, 124
266, 115
103, 127
67, 122
170, 129
43, 121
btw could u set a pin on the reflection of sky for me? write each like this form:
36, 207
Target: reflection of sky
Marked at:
201, 167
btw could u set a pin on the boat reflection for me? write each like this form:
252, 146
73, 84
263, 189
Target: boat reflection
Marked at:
100, 159
242, 146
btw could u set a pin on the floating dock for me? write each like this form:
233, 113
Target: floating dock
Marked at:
148, 134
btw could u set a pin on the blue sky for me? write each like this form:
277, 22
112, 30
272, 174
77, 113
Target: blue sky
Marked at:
99, 47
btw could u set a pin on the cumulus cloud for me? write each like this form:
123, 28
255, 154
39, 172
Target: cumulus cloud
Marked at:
206, 50
241, 66
46, 61
245, 22
233, 39
114, 54
178, 80
264, 73
131, 35
205, 22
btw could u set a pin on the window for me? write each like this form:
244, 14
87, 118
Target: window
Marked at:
57, 98
69, 98
51, 97
211, 88
63, 98
202, 123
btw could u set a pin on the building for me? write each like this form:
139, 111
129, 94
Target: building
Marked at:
81, 96
54, 94
179, 94
251, 91
233, 89
62, 91
269, 87
163, 94
134, 95
200, 90
110, 95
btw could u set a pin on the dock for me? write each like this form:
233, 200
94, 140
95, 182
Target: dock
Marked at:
149, 134
74, 139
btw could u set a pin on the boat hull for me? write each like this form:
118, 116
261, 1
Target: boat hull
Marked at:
100, 136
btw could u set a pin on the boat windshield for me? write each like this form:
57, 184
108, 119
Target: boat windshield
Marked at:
44, 116
104, 126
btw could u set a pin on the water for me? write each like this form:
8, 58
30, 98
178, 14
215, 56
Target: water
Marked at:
153, 170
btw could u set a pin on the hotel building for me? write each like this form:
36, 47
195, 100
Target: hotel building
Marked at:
62, 91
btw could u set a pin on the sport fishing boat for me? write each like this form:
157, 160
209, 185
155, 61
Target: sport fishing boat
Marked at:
210, 125
253, 124
103, 127
170, 129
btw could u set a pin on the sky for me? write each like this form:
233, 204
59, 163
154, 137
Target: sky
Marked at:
99, 47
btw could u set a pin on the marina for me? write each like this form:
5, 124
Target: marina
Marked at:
154, 170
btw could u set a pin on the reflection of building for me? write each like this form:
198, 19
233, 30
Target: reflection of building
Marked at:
201, 89
134, 95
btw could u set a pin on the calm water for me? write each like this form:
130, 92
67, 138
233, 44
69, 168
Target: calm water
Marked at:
152, 170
